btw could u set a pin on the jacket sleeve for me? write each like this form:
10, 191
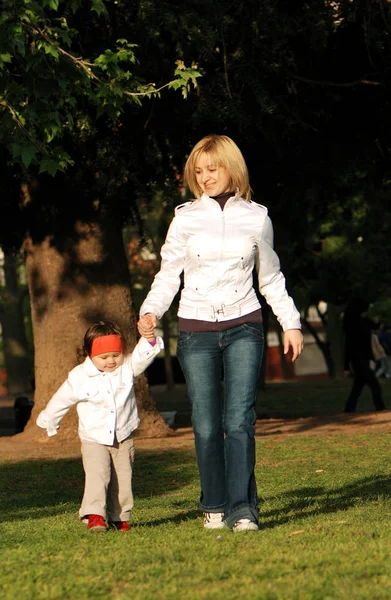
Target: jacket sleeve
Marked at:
57, 407
167, 281
144, 354
272, 284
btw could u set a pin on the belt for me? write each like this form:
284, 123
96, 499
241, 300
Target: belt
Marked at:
220, 311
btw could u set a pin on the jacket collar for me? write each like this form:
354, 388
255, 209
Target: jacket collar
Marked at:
208, 201
93, 371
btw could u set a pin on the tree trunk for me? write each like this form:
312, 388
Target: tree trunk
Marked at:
287, 372
335, 337
15, 347
73, 282
324, 347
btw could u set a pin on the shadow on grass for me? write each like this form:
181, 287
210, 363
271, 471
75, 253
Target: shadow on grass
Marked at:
298, 399
303, 424
177, 519
37, 489
309, 501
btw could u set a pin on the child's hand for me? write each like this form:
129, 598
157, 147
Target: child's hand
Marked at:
146, 326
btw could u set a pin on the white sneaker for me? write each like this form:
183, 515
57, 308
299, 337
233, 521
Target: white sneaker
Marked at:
214, 520
245, 525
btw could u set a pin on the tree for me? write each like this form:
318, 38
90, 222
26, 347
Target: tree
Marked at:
304, 90
66, 80
143, 244
17, 355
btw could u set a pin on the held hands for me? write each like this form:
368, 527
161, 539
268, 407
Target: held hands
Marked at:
146, 326
294, 338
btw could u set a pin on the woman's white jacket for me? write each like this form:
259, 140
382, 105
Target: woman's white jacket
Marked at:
106, 402
217, 251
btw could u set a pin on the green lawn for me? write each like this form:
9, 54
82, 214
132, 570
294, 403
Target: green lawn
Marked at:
325, 529
325, 523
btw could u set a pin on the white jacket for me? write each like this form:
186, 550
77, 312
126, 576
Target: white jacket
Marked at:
217, 250
106, 402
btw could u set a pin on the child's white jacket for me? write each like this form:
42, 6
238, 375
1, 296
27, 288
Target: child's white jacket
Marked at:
102, 414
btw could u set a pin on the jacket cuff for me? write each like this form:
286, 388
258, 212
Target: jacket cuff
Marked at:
295, 324
147, 348
43, 422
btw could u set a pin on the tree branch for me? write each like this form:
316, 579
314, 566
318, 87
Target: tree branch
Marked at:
334, 83
86, 66
19, 123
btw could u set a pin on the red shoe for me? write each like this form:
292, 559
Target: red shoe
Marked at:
120, 526
96, 523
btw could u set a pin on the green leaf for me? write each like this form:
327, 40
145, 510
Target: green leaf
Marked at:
49, 165
5, 58
99, 7
16, 150
53, 4
28, 154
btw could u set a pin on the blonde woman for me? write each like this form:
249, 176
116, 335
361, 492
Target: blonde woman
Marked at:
217, 240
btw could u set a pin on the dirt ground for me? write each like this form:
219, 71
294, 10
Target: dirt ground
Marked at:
34, 445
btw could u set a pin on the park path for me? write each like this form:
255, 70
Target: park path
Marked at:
20, 448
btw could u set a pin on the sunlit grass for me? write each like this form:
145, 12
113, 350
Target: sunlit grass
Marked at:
325, 528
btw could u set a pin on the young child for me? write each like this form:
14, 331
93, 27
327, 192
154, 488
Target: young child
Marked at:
103, 389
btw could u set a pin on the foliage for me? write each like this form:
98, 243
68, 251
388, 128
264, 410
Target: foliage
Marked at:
145, 238
58, 78
291, 85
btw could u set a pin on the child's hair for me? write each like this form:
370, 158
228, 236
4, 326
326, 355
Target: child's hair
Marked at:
97, 330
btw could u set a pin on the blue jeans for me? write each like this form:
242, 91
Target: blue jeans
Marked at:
224, 423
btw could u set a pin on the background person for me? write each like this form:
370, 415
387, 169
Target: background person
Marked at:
384, 336
358, 329
217, 240
102, 387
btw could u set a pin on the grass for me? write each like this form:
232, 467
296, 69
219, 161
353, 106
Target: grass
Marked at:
325, 533
299, 398
325, 526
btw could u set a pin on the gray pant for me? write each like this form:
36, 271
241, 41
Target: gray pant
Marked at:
108, 480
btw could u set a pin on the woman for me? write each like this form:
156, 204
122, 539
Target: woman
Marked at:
217, 240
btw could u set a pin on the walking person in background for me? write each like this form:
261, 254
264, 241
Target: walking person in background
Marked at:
103, 389
384, 337
358, 329
217, 240
379, 356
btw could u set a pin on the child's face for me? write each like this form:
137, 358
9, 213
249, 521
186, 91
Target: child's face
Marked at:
109, 361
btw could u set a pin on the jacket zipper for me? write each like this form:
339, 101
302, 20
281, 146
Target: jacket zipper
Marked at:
221, 257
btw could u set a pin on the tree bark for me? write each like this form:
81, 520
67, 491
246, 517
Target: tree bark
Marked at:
335, 337
287, 372
15, 347
73, 282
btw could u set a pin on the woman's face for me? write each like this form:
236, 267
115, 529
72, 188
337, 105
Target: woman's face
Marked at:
213, 180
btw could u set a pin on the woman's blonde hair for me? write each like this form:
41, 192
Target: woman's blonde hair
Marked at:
223, 152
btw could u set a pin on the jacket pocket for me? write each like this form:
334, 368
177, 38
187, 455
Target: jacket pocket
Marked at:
88, 392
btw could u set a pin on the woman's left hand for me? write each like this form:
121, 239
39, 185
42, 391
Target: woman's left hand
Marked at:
293, 338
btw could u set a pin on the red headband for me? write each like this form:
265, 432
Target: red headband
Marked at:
106, 343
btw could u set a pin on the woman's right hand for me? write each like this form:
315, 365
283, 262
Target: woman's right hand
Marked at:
146, 326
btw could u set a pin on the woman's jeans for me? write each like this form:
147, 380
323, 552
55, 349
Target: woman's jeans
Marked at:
224, 423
